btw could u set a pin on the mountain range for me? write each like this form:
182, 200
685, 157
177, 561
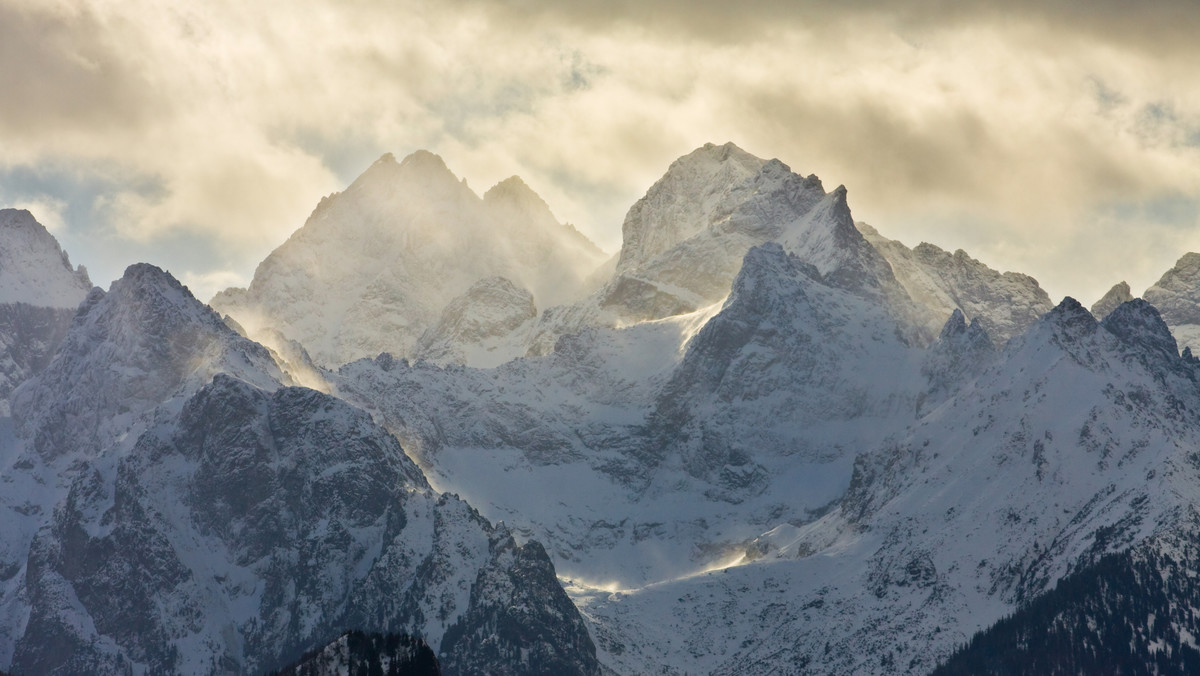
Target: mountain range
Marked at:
761, 438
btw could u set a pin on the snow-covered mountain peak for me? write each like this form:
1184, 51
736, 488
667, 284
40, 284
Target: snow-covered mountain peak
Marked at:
961, 352
420, 161
1138, 323
955, 325
692, 197
526, 220
33, 268
374, 266
712, 152
1069, 318
1177, 293
127, 351
151, 302
420, 172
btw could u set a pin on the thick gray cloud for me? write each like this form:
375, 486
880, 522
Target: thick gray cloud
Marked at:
1038, 135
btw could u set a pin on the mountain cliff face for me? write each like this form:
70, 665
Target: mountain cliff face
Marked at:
258, 524
374, 266
1177, 294
175, 507
34, 270
1115, 296
485, 327
685, 239
39, 292
940, 282
787, 358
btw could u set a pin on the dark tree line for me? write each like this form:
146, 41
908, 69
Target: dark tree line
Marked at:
403, 655
1135, 612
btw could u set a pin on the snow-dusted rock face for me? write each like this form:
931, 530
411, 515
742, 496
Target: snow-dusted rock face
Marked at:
484, 327
1177, 296
39, 292
1120, 293
786, 356
171, 507
29, 336
1075, 442
552, 259
961, 352
939, 282
694, 198
254, 525
1177, 293
374, 266
127, 351
684, 242
34, 270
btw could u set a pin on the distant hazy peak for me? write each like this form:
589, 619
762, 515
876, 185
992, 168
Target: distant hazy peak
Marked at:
512, 188
33, 268
697, 190
422, 160
514, 197
725, 152
1120, 293
1177, 293
1071, 318
421, 168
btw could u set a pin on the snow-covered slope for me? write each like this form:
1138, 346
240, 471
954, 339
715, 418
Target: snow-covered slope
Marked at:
374, 266
940, 282
1076, 442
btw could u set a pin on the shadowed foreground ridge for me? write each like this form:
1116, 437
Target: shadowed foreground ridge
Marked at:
356, 652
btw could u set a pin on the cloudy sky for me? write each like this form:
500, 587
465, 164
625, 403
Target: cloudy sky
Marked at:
1057, 138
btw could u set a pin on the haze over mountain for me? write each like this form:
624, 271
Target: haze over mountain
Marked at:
374, 267
763, 439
